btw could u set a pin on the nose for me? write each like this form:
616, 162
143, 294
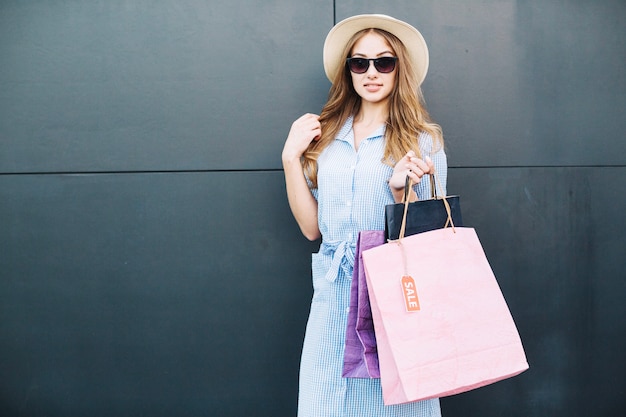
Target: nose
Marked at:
371, 70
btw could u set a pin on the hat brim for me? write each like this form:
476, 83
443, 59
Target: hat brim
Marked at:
341, 33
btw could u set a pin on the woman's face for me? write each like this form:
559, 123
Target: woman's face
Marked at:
373, 86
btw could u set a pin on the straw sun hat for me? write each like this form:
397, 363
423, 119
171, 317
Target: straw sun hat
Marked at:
341, 33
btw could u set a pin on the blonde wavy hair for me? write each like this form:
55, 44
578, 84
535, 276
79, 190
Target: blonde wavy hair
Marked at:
408, 116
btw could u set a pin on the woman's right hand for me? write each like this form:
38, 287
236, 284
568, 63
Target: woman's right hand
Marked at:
302, 203
304, 130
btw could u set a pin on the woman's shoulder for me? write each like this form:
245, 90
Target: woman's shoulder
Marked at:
427, 144
425, 141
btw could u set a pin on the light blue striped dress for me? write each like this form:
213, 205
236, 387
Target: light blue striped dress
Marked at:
352, 192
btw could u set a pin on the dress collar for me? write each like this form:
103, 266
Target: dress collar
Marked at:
346, 133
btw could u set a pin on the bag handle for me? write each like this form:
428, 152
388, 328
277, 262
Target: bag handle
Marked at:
408, 183
433, 187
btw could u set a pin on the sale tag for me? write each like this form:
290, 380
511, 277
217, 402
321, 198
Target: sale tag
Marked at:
410, 294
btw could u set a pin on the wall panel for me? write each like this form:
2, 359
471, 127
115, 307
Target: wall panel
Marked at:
155, 85
150, 294
522, 83
556, 247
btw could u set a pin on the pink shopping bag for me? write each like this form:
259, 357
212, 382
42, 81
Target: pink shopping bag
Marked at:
442, 324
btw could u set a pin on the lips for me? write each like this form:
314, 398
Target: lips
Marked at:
372, 88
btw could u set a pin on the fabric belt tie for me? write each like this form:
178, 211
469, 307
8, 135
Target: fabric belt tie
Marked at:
343, 257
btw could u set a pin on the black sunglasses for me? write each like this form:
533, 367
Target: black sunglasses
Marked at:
385, 64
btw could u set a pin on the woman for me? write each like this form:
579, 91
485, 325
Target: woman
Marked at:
341, 168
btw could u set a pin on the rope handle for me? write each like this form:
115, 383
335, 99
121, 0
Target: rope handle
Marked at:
407, 187
433, 188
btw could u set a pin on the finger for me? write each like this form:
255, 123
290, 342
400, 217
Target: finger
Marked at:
313, 123
318, 133
309, 123
415, 167
423, 166
417, 171
406, 159
430, 163
415, 177
307, 120
313, 118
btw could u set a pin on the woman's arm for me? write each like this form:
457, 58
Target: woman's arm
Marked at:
302, 203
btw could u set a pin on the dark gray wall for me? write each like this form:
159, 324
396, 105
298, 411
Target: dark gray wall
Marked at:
149, 264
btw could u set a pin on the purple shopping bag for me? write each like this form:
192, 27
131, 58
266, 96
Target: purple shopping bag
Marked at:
360, 354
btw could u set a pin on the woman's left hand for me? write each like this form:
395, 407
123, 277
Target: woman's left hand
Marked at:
412, 166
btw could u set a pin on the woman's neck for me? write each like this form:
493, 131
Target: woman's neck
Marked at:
372, 114
370, 117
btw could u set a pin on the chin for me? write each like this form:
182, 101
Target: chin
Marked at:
375, 99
